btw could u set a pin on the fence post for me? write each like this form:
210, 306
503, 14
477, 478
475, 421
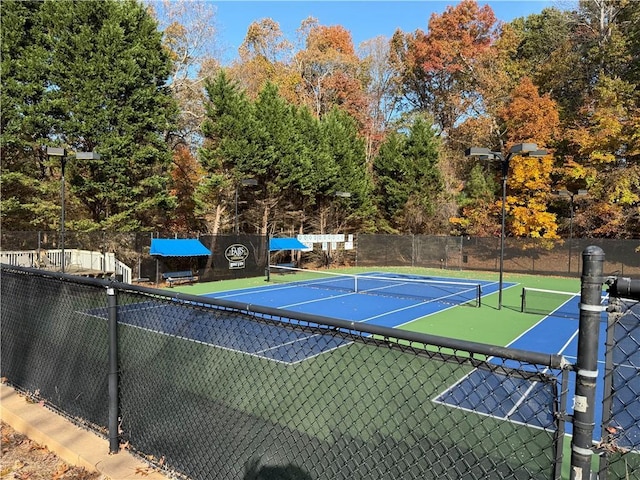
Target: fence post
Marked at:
112, 306
587, 362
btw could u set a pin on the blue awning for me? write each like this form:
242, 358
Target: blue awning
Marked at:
182, 247
286, 244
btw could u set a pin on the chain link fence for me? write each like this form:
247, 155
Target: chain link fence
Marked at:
521, 255
532, 256
620, 445
214, 389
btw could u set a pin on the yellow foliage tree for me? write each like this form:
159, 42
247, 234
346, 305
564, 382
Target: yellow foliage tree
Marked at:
530, 118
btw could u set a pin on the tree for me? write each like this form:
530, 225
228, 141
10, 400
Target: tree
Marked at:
229, 147
265, 56
329, 68
103, 87
383, 91
408, 179
439, 67
190, 33
186, 175
531, 118
29, 195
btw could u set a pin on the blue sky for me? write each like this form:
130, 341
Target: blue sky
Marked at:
364, 19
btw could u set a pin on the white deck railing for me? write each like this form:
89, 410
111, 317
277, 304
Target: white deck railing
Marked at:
76, 261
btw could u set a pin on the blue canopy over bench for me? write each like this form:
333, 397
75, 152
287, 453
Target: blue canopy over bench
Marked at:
178, 247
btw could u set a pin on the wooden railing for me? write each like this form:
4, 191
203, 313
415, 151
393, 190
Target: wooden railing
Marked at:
82, 262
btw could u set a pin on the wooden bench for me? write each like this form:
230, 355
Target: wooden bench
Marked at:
186, 276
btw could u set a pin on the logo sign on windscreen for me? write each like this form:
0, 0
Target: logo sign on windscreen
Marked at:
237, 255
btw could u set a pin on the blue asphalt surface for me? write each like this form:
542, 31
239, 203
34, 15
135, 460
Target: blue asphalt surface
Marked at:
387, 311
529, 402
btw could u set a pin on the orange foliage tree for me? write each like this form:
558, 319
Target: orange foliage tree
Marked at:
186, 175
440, 67
265, 57
330, 71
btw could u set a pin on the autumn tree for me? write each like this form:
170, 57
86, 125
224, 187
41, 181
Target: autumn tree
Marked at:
439, 67
265, 56
528, 117
531, 118
190, 37
383, 88
329, 68
186, 175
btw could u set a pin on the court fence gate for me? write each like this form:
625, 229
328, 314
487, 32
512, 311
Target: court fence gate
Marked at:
208, 388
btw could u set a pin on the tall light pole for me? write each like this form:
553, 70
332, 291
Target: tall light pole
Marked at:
571, 195
520, 149
245, 182
62, 154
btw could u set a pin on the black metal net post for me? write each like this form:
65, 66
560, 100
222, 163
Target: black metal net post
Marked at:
587, 363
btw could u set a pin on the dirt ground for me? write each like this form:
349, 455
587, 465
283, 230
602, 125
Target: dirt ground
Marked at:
23, 459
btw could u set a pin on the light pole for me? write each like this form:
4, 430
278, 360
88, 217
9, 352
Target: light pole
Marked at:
520, 149
62, 154
571, 195
245, 182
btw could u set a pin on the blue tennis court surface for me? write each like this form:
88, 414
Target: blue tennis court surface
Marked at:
382, 305
254, 338
526, 401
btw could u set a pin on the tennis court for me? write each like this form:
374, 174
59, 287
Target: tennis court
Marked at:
378, 298
395, 300
557, 332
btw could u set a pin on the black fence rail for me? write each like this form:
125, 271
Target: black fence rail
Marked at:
216, 389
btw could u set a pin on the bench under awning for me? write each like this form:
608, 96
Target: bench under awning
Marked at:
286, 244
180, 247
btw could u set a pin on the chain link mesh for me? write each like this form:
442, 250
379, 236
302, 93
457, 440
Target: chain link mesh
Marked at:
620, 444
52, 348
211, 391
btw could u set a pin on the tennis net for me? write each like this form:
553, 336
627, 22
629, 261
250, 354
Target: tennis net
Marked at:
549, 302
383, 284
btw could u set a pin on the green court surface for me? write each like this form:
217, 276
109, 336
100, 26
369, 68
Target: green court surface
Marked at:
485, 325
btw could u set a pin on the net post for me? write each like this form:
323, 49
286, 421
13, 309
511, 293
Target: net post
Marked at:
479, 295
267, 269
587, 363
112, 308
523, 300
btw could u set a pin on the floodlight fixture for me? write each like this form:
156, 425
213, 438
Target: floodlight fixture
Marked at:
523, 148
537, 153
87, 155
477, 152
56, 152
